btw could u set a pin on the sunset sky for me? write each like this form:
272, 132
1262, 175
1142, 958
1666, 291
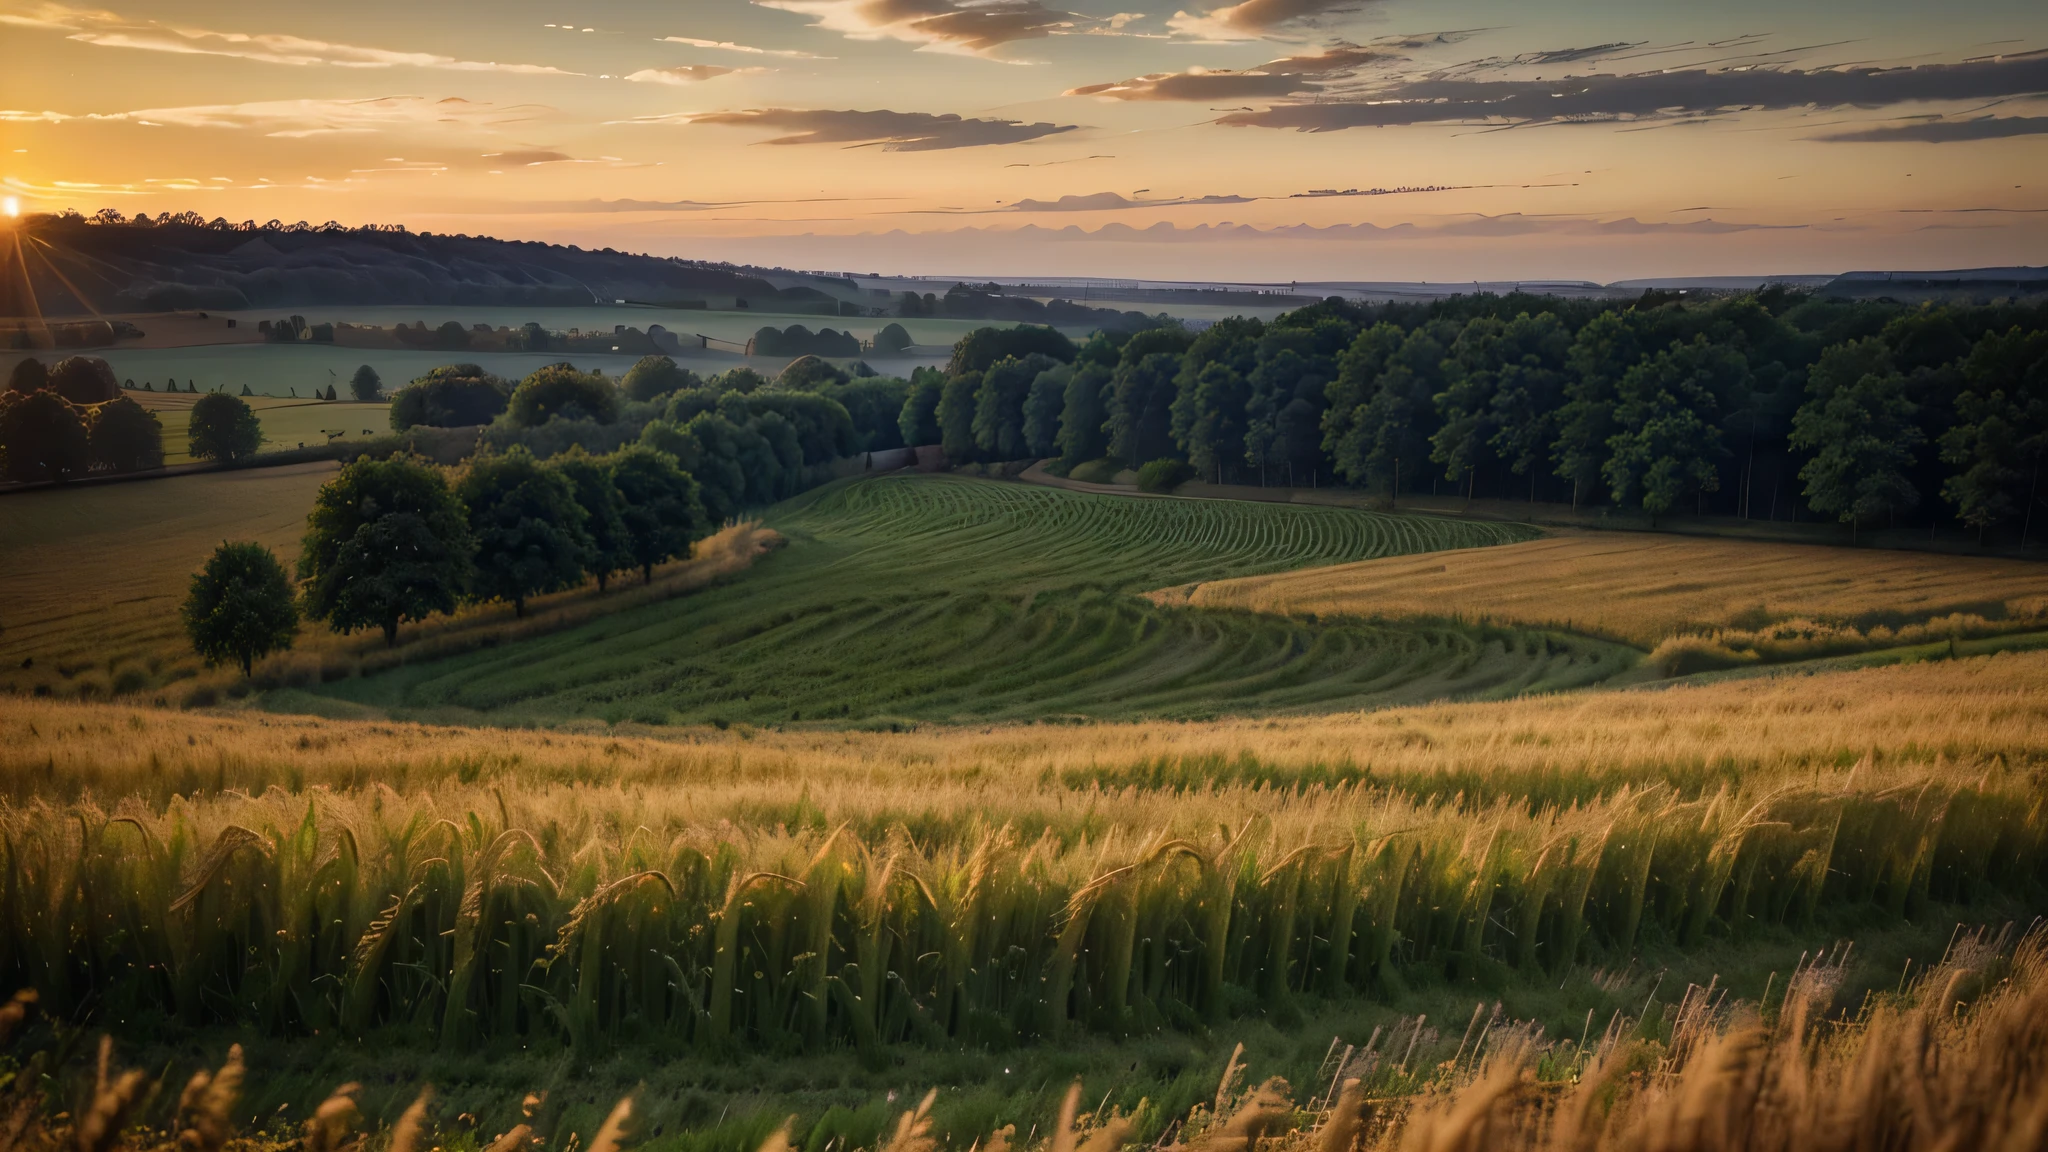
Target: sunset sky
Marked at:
1589, 139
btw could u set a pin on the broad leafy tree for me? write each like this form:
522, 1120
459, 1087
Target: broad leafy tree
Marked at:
2000, 439
559, 390
387, 543
527, 525
603, 512
918, 423
224, 428
1083, 410
955, 414
662, 513
126, 437
652, 377
240, 607
1667, 440
1858, 423
451, 396
43, 437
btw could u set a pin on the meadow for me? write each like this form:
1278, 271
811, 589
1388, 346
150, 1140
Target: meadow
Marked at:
904, 599
287, 423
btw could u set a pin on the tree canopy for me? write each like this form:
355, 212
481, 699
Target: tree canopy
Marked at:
387, 542
239, 608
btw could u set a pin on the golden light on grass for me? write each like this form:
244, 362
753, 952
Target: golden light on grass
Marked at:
1641, 588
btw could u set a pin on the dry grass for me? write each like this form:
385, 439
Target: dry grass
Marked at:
95, 576
1957, 1059
1640, 589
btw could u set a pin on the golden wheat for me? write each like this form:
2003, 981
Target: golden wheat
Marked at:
1640, 589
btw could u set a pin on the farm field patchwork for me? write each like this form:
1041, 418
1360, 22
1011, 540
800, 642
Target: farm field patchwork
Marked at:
907, 598
1642, 588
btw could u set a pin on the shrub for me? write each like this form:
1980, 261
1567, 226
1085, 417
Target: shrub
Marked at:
240, 607
1164, 475
656, 376
126, 437
224, 428
1684, 655
43, 437
451, 396
1101, 471
561, 390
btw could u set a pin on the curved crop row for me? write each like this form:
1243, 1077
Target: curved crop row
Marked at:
941, 598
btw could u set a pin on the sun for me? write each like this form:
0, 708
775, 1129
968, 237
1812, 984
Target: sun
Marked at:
10, 207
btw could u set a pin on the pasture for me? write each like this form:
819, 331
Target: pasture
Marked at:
1642, 588
932, 598
95, 575
287, 423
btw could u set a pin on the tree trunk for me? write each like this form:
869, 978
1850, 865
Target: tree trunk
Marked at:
2033, 498
391, 631
647, 573
519, 607
603, 578
248, 666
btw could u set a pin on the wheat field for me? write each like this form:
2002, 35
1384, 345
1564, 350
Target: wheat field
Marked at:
1641, 588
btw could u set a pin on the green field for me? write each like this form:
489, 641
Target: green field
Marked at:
946, 598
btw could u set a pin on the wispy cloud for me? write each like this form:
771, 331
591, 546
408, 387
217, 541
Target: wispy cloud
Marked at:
971, 27
112, 30
1651, 96
1276, 78
294, 119
683, 74
1938, 131
1257, 19
891, 131
744, 49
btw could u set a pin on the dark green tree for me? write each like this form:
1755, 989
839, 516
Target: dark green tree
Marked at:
224, 428
979, 350
1141, 396
603, 511
1215, 437
875, 406
1858, 423
955, 414
1605, 349
999, 406
1083, 411
892, 339
84, 380
451, 396
43, 437
1667, 439
2000, 438
559, 390
366, 386
652, 377
126, 437
662, 513
810, 373
1042, 410
918, 422
27, 375
527, 525
240, 607
387, 542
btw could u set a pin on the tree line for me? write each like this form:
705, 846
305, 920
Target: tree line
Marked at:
1769, 405
395, 540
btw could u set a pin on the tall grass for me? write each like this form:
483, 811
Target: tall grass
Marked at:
596, 913
1955, 1059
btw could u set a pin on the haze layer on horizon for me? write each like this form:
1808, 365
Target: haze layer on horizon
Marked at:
1263, 140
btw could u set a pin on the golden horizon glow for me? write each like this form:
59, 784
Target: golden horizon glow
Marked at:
1590, 140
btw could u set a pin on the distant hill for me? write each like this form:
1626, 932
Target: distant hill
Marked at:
1962, 284
89, 265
